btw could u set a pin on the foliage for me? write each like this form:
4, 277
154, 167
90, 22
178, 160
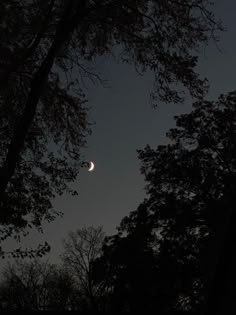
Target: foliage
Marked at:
36, 286
37, 159
47, 48
166, 253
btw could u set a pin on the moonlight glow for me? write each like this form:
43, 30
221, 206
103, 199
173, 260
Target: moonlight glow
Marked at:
91, 166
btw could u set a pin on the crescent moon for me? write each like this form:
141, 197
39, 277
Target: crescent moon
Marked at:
91, 166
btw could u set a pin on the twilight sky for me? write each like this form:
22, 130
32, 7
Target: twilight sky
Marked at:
125, 122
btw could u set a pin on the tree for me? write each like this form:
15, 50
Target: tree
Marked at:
36, 285
129, 265
178, 232
191, 192
43, 121
81, 249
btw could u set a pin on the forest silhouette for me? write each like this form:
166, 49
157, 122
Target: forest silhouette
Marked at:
169, 254
173, 254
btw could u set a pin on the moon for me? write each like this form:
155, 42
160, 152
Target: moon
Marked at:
91, 166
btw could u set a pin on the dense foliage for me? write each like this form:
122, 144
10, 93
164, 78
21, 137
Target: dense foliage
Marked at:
173, 253
47, 49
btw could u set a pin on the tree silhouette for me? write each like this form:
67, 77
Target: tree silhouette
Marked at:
81, 249
36, 286
129, 266
195, 175
43, 114
171, 254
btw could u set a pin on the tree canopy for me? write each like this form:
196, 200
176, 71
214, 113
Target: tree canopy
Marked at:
81, 249
191, 184
174, 253
36, 286
46, 49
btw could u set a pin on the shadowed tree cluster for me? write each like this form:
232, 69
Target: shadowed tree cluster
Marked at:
47, 49
169, 254
36, 285
40, 285
175, 253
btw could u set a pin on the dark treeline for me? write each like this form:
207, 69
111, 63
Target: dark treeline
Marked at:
166, 256
48, 50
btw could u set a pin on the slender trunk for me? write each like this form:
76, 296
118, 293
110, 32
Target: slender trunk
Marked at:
91, 295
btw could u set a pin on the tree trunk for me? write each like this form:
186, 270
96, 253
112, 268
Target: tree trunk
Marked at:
66, 25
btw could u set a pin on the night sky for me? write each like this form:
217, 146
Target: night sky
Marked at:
124, 122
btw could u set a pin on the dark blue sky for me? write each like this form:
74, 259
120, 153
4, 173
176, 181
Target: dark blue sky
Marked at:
126, 122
